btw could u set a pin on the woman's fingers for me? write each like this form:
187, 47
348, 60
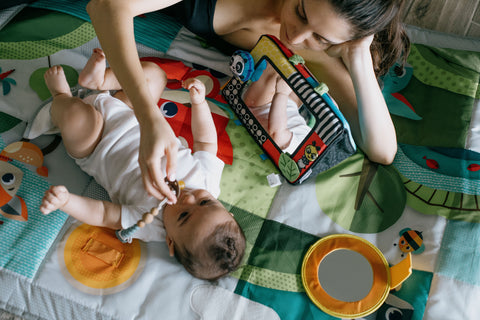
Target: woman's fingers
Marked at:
159, 142
171, 169
351, 51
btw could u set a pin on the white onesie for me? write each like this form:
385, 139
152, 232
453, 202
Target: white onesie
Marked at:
114, 165
296, 124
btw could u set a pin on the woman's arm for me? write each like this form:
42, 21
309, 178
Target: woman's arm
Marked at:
347, 69
90, 211
113, 23
377, 132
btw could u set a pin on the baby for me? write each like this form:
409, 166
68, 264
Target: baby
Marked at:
102, 134
281, 117
276, 107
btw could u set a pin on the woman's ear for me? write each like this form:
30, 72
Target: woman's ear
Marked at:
170, 244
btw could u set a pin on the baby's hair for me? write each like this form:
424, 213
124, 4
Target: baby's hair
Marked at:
223, 252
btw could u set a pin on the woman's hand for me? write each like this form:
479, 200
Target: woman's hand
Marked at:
372, 127
157, 140
351, 50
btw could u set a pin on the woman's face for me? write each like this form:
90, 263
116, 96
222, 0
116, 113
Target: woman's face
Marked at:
312, 24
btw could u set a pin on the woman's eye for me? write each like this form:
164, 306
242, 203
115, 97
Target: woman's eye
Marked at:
323, 42
320, 40
300, 15
204, 202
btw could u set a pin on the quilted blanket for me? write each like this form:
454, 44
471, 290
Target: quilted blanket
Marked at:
426, 205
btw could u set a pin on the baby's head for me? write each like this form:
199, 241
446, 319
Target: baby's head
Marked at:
203, 235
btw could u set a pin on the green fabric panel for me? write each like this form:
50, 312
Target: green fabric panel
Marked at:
244, 183
7, 122
288, 305
460, 243
446, 117
36, 49
341, 180
265, 262
435, 70
37, 24
281, 248
274, 253
451, 205
415, 290
366, 181
297, 305
251, 225
380, 209
468, 59
445, 59
272, 279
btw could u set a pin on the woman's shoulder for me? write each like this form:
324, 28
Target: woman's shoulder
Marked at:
239, 20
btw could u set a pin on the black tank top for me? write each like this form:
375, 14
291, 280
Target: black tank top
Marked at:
197, 16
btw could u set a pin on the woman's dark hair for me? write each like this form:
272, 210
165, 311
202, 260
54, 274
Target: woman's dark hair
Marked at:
383, 19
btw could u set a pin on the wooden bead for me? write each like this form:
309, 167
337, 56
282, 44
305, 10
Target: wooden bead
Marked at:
154, 211
147, 218
141, 224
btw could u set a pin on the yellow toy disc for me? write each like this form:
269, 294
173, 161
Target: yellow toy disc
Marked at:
346, 309
95, 261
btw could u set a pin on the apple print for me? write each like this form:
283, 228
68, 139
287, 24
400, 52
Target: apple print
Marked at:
37, 82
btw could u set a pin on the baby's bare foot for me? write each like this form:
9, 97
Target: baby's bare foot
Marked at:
93, 74
56, 81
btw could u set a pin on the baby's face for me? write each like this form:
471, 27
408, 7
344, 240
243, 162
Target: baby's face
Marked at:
193, 217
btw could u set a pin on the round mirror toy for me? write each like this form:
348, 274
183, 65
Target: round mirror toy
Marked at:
348, 277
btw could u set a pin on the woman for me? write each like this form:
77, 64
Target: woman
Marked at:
346, 44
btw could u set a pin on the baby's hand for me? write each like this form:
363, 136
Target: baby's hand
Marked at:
55, 198
197, 90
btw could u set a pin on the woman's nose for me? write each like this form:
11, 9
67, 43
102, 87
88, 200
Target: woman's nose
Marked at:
298, 35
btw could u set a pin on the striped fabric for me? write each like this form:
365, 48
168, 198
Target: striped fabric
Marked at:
328, 126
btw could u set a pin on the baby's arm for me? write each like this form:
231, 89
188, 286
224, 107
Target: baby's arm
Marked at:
203, 128
90, 211
277, 116
261, 92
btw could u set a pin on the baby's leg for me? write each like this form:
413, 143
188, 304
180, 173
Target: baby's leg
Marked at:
96, 76
156, 81
80, 123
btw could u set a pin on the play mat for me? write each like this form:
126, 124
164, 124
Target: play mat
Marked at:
426, 205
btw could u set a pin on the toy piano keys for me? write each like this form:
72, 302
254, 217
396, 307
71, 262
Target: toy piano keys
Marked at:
328, 142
